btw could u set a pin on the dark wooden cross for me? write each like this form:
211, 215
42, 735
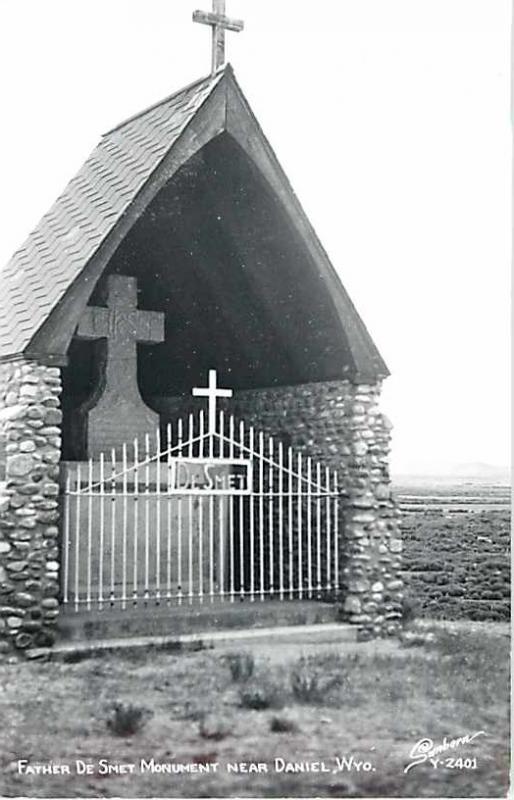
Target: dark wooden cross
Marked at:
119, 413
219, 23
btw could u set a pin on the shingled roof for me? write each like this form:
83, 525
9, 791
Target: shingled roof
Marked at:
39, 273
48, 281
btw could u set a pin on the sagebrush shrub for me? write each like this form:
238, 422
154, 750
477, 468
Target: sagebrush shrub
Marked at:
126, 720
282, 725
241, 666
261, 694
410, 610
306, 683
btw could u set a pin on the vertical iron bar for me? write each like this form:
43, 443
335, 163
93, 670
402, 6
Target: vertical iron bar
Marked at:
261, 515
77, 536
252, 525
191, 433
336, 534
169, 479
200, 512
102, 528
328, 514
309, 527
147, 518
290, 491
222, 434
190, 547
124, 522
211, 525
230, 502
66, 566
211, 542
281, 519
300, 532
136, 522
200, 548
113, 526
241, 519
270, 518
231, 514
190, 513
221, 520
180, 435
89, 531
318, 531
231, 434
221, 531
201, 433
157, 495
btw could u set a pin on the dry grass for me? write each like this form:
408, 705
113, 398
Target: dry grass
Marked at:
373, 705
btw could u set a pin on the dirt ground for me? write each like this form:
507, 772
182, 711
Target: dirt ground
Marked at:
349, 717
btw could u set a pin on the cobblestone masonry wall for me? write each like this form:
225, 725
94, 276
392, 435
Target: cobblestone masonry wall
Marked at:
30, 422
340, 424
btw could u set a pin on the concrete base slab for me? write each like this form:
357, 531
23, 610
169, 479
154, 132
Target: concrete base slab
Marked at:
174, 621
275, 638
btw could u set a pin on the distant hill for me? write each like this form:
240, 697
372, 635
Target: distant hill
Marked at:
475, 472
481, 470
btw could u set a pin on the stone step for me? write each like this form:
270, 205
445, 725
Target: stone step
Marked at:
265, 640
187, 619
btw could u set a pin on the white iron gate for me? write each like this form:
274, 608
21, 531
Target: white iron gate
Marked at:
219, 515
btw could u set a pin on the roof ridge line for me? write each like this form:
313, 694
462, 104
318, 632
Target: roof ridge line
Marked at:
212, 77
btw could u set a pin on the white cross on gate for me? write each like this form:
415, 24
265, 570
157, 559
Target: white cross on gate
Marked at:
212, 392
219, 23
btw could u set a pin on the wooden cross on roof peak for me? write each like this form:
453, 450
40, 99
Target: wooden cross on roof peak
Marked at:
219, 23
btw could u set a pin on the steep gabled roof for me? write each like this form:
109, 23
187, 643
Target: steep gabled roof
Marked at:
48, 281
40, 272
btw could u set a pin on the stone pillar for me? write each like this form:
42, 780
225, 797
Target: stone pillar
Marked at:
372, 547
30, 418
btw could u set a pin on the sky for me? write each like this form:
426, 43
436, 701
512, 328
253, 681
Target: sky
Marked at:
391, 119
